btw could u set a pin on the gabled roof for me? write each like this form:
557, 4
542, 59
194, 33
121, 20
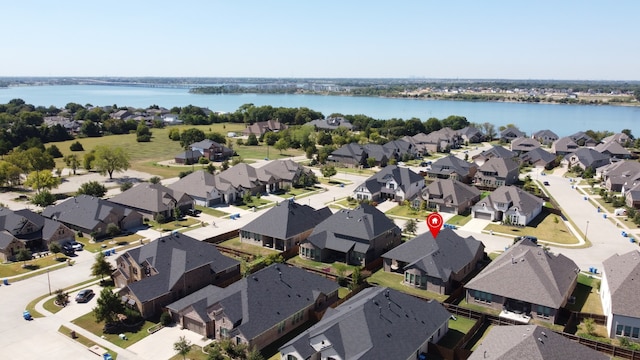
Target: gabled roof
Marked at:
470, 131
514, 196
258, 302
511, 132
377, 323
399, 146
283, 169
549, 278
204, 144
449, 192
172, 256
378, 152
612, 147
618, 137
437, 257
347, 228
287, 219
5, 239
531, 342
245, 176
13, 222
404, 177
496, 151
623, 277
189, 155
589, 157
199, 184
451, 164
500, 166
581, 135
150, 197
621, 172
536, 155
544, 133
86, 211
524, 144
331, 123
564, 144
351, 150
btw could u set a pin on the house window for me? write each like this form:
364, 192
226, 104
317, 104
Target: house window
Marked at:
481, 296
544, 312
281, 327
635, 332
238, 340
224, 332
291, 357
619, 329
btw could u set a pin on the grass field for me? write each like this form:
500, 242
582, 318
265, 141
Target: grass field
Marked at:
83, 340
394, 281
544, 227
249, 248
17, 268
89, 323
407, 212
587, 296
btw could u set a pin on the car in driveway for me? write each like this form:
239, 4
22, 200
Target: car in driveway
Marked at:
84, 295
545, 183
76, 246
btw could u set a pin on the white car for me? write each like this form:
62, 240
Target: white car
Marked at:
76, 245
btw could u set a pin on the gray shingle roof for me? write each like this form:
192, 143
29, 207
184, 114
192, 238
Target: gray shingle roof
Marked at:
544, 133
565, 145
262, 300
287, 219
440, 257
14, 221
343, 229
449, 192
283, 169
245, 176
172, 256
589, 157
514, 197
377, 323
496, 151
612, 147
199, 184
531, 342
402, 175
150, 197
501, 166
623, 277
451, 164
549, 278
538, 155
86, 212
524, 144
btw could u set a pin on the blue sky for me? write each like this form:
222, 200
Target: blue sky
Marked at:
581, 40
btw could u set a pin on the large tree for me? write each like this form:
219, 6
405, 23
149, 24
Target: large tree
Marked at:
191, 136
109, 159
108, 306
182, 346
92, 188
101, 266
72, 162
42, 180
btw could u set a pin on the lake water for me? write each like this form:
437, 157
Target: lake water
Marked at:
529, 117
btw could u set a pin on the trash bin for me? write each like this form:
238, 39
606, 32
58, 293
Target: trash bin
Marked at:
5, 281
107, 356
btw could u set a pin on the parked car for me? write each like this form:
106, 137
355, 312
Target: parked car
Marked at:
76, 246
84, 295
528, 237
545, 183
67, 249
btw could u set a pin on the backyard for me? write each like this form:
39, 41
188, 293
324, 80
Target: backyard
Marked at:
394, 281
587, 297
256, 250
457, 329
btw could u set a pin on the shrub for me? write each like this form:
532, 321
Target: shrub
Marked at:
76, 146
203, 160
113, 230
165, 319
161, 219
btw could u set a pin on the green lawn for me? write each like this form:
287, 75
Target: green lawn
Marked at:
298, 192
407, 212
342, 292
88, 322
394, 281
173, 225
83, 340
126, 241
544, 227
31, 267
328, 267
459, 220
457, 329
255, 202
195, 354
587, 297
212, 211
606, 205
235, 243
346, 204
333, 181
260, 152
479, 308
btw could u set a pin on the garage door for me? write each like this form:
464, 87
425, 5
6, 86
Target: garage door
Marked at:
447, 209
194, 326
482, 215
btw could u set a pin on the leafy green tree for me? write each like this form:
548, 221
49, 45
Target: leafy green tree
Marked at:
62, 297
177, 214
109, 159
126, 186
155, 180
143, 134
44, 198
72, 162
328, 171
411, 226
54, 152
254, 354
55, 248
90, 129
88, 160
108, 307
92, 188
174, 134
101, 267
371, 162
76, 146
282, 144
252, 140
42, 180
182, 346
24, 255
190, 136
9, 173
216, 137
113, 230
270, 138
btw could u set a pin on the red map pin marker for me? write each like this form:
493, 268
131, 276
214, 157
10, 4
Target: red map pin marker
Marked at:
434, 222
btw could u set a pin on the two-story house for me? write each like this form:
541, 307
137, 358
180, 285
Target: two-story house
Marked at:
497, 172
618, 292
392, 182
212, 150
452, 167
450, 196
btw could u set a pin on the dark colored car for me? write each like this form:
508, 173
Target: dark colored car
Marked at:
545, 183
84, 295
528, 237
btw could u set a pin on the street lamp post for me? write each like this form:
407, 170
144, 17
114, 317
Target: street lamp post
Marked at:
585, 231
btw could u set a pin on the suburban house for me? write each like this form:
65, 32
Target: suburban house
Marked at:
538, 157
169, 268
452, 167
259, 309
212, 150
523, 145
497, 172
246, 178
550, 281
471, 135
511, 133
621, 138
586, 158
508, 204
531, 342
435, 264
331, 123
349, 155
619, 291
437, 141
24, 229
450, 196
496, 151
92, 215
545, 137
151, 200
286, 172
402, 149
618, 174
188, 157
377, 323
205, 189
283, 226
613, 149
582, 139
563, 146
171, 119
262, 127
392, 182
355, 237
632, 195
380, 154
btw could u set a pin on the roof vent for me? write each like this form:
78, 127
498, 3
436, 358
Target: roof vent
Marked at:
540, 339
544, 334
255, 278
